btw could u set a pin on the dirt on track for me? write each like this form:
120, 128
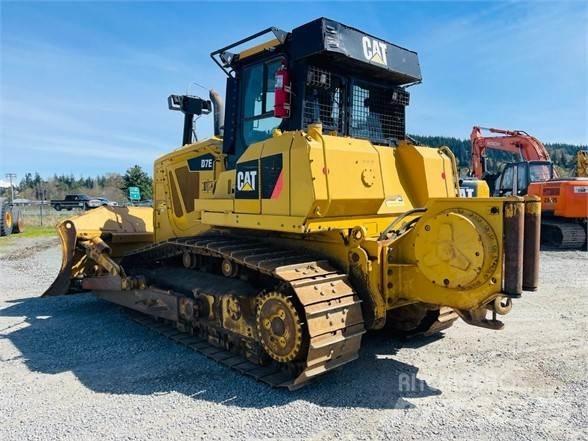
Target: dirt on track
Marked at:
77, 368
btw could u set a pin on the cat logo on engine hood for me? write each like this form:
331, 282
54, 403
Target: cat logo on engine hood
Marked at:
246, 180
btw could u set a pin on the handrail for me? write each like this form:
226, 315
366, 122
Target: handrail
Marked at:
223, 64
449, 153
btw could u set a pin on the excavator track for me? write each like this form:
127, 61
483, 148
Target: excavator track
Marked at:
563, 235
330, 309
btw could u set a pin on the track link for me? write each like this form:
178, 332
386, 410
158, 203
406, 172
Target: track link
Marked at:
331, 309
270, 375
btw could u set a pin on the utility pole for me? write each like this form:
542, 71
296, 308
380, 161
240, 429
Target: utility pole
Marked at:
42, 194
10, 177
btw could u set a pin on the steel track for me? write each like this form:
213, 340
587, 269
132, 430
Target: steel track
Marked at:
332, 310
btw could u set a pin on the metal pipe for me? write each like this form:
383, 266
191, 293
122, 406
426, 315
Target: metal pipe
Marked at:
219, 113
513, 246
384, 234
449, 153
531, 243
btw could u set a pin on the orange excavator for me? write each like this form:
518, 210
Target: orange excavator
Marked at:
564, 201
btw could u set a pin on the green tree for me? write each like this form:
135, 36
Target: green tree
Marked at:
136, 177
26, 182
562, 155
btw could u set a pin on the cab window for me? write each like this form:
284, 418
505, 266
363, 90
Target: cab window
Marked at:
253, 81
259, 129
258, 101
507, 176
539, 172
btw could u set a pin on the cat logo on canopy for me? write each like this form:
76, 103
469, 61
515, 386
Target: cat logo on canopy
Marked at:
374, 50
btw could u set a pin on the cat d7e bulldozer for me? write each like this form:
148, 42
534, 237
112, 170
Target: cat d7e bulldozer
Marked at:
307, 219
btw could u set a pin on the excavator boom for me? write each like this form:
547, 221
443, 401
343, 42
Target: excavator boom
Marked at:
513, 141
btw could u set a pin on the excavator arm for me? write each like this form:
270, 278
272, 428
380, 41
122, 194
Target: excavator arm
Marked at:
513, 141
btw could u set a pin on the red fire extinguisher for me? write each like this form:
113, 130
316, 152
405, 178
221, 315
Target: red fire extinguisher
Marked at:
282, 93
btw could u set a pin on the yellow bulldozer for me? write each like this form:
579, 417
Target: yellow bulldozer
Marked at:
309, 218
582, 163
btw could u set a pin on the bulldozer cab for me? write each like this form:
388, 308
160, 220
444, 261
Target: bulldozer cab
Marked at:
516, 177
322, 72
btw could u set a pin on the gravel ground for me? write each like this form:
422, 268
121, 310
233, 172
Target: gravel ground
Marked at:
78, 368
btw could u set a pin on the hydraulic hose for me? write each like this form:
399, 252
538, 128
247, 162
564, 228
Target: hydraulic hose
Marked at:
384, 234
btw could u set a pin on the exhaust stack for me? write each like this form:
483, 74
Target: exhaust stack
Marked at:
219, 113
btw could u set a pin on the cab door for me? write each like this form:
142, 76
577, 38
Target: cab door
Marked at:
256, 125
514, 180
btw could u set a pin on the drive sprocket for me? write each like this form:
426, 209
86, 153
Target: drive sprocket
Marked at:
279, 327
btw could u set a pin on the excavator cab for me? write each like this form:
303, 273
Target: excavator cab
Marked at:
516, 177
563, 200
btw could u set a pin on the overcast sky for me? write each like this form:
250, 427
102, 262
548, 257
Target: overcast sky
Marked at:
84, 86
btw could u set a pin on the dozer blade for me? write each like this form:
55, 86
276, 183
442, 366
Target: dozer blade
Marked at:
67, 235
123, 229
